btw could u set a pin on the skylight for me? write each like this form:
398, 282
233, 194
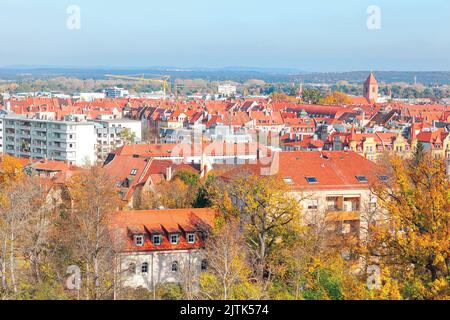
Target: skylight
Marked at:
134, 172
362, 179
383, 178
288, 180
311, 179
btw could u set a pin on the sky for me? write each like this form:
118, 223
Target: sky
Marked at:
319, 35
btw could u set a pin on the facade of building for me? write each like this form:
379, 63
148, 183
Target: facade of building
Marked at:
333, 189
115, 92
109, 134
41, 138
226, 90
160, 246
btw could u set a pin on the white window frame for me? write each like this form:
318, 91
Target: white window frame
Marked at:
172, 266
191, 235
174, 235
159, 237
146, 266
139, 240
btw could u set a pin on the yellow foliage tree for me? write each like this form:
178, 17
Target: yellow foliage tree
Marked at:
412, 243
336, 98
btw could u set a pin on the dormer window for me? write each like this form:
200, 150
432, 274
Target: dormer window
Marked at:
139, 240
174, 238
191, 237
156, 239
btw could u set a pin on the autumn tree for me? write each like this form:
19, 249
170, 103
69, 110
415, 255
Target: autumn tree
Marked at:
412, 243
336, 98
312, 96
94, 198
267, 213
127, 135
228, 275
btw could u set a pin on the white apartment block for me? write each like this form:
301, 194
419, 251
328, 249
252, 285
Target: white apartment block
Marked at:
42, 137
109, 134
227, 89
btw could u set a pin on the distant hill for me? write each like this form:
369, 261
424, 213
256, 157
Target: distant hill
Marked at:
239, 74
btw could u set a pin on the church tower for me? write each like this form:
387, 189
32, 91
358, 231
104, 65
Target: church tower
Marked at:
371, 89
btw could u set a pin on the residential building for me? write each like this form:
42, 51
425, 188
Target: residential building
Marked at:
226, 89
333, 188
160, 246
109, 134
115, 92
45, 138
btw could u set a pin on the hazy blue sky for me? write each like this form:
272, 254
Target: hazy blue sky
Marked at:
319, 35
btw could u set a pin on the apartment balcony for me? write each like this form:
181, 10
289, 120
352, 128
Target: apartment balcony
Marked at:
336, 216
24, 127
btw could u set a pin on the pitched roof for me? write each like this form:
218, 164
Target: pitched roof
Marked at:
124, 224
335, 170
371, 80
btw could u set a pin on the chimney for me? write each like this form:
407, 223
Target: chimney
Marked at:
169, 173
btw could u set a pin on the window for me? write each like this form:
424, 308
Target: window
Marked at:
204, 265
132, 268
134, 172
156, 239
191, 238
312, 205
288, 180
345, 228
361, 179
144, 267
174, 238
383, 178
311, 179
139, 240
174, 266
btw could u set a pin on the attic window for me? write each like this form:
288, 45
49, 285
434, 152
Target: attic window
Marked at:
134, 172
288, 180
174, 238
156, 239
362, 179
311, 179
139, 240
191, 237
383, 178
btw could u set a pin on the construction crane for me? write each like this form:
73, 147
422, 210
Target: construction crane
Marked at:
162, 79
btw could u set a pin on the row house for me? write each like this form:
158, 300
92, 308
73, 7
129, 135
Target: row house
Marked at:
436, 141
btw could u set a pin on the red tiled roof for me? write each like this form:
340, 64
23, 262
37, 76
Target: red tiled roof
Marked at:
124, 225
335, 170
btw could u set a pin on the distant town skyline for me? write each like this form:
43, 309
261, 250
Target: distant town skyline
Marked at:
317, 36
